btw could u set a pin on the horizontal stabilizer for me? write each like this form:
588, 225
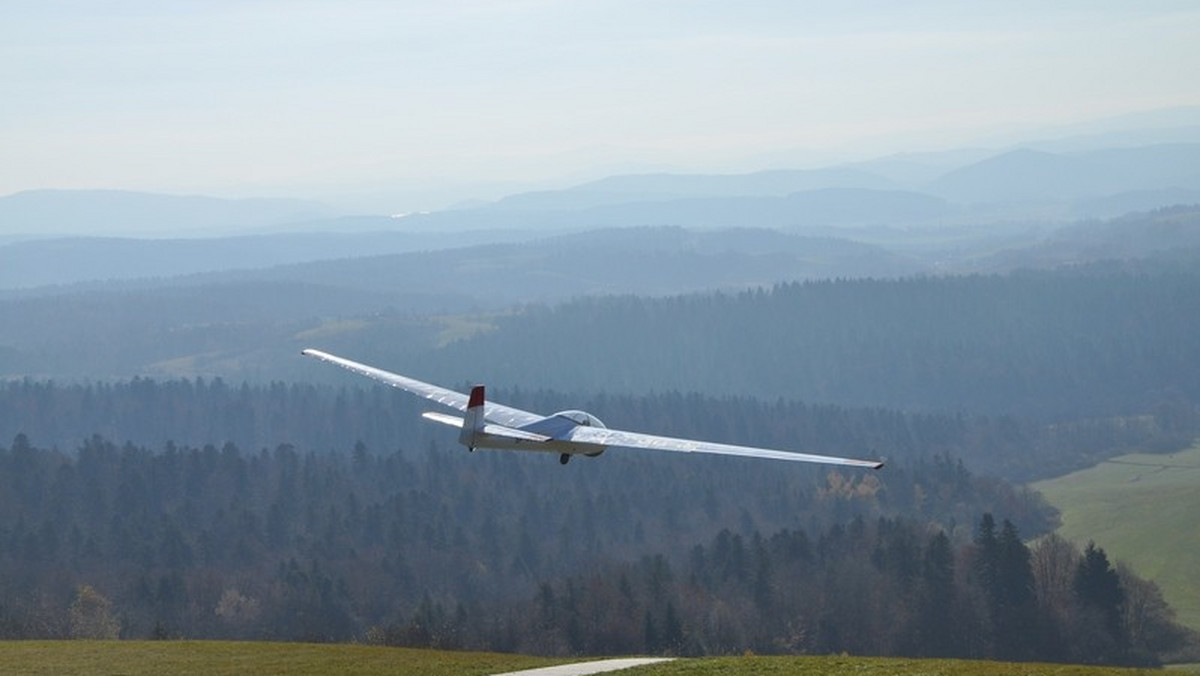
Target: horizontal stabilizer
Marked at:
451, 420
488, 429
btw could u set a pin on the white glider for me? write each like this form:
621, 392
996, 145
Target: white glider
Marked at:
568, 433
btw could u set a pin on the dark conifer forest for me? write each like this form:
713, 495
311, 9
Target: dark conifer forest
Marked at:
492, 551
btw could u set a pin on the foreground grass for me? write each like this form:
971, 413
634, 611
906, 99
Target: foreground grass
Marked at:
1142, 510
218, 658
868, 666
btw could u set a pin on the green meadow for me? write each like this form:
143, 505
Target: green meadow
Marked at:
1144, 510
228, 658
868, 666
219, 658
216, 658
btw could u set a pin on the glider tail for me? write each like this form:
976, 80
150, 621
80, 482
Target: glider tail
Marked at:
474, 421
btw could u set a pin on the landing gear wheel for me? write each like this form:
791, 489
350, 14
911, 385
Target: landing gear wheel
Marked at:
564, 459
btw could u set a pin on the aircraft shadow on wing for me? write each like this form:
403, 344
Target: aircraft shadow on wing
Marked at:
489, 425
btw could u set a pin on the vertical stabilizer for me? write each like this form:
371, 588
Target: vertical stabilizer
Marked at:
474, 420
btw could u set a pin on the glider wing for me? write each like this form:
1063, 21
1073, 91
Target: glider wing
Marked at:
608, 437
497, 413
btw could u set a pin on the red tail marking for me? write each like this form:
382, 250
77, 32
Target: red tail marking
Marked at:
476, 397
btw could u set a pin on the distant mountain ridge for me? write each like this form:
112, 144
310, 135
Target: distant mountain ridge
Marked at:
671, 187
607, 259
1032, 175
644, 261
933, 189
930, 189
70, 260
837, 207
1135, 236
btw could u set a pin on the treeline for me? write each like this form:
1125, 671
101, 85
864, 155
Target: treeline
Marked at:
883, 587
319, 418
1069, 344
219, 543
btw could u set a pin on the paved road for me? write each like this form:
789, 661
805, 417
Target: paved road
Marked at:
586, 668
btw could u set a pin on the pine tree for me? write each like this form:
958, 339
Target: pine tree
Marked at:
1098, 590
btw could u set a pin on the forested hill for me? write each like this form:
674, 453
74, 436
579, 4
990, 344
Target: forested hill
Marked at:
512, 552
1055, 345
327, 545
1059, 345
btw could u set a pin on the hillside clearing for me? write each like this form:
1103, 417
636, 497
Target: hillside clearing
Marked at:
1141, 509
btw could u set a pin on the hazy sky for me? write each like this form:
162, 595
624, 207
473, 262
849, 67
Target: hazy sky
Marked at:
426, 101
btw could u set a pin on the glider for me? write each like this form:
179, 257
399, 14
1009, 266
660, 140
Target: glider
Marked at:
568, 433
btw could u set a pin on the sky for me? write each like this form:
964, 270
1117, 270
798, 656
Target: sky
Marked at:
398, 106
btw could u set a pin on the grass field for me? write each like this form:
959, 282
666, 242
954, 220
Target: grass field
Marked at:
1143, 510
196, 658
867, 666
219, 658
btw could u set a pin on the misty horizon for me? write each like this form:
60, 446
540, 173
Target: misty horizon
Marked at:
399, 108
